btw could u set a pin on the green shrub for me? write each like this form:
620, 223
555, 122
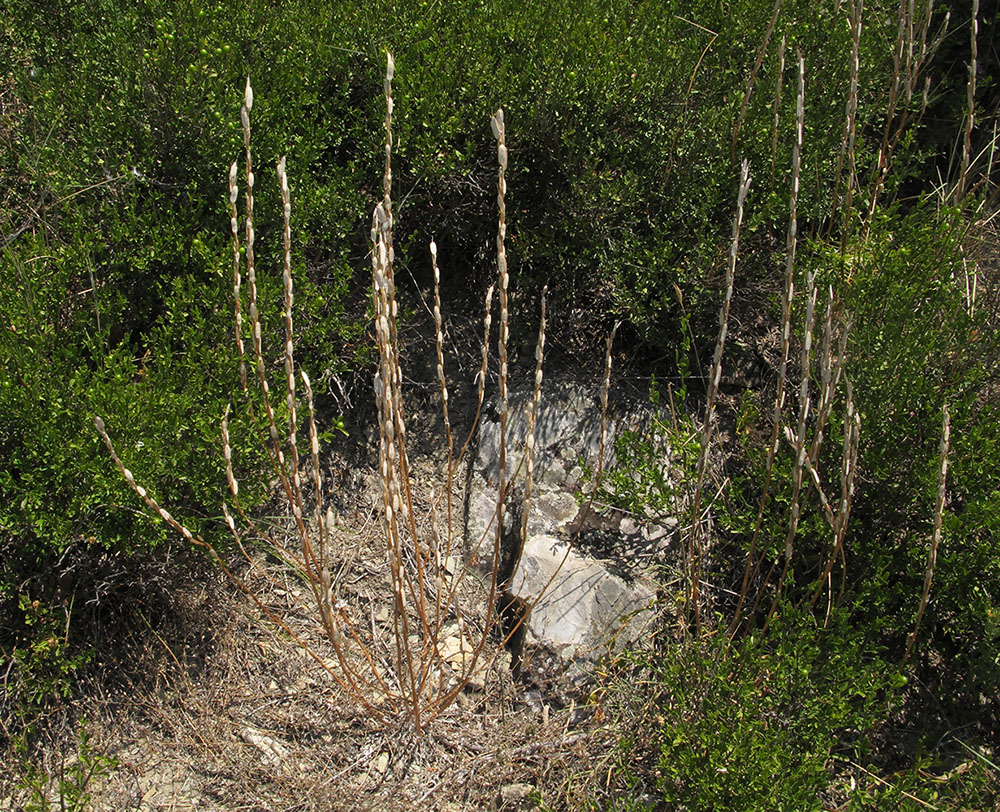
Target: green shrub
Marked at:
918, 347
69, 788
116, 302
762, 726
915, 345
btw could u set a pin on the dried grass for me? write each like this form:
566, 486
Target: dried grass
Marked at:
245, 723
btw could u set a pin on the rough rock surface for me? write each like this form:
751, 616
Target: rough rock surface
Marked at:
579, 572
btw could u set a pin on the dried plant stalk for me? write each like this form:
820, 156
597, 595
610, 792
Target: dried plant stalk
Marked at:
500, 134
936, 538
791, 243
442, 381
274, 449
481, 374
695, 546
289, 354
602, 448
908, 70
805, 403
848, 469
779, 81
970, 103
529, 441
752, 81
847, 150
234, 227
830, 371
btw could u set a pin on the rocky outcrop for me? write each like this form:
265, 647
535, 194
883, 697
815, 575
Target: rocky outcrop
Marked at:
581, 575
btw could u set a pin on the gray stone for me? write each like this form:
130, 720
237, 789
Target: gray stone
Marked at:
578, 603
577, 606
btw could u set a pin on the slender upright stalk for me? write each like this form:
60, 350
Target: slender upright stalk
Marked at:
439, 336
847, 151
500, 134
779, 81
752, 81
234, 227
791, 242
529, 442
936, 538
970, 104
289, 355
695, 546
801, 455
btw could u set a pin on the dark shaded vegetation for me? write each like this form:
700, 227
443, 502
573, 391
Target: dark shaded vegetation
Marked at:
628, 122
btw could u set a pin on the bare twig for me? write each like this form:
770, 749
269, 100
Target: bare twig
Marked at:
936, 538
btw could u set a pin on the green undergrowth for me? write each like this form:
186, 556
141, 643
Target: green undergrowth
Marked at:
68, 786
792, 720
812, 702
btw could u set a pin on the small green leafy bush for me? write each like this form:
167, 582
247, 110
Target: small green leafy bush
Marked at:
117, 296
764, 725
69, 789
918, 347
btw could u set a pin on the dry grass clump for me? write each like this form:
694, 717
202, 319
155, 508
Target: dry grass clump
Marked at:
243, 722
443, 611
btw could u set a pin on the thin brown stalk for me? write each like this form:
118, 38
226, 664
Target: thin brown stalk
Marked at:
936, 538
804, 406
324, 522
275, 451
390, 461
234, 227
151, 503
752, 81
830, 371
970, 104
196, 539
779, 81
529, 442
441, 544
289, 354
909, 69
500, 134
397, 514
599, 468
799, 466
687, 95
401, 494
504, 476
896, 85
907, 72
847, 150
814, 477
852, 469
481, 374
848, 468
695, 546
439, 336
603, 438
791, 242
